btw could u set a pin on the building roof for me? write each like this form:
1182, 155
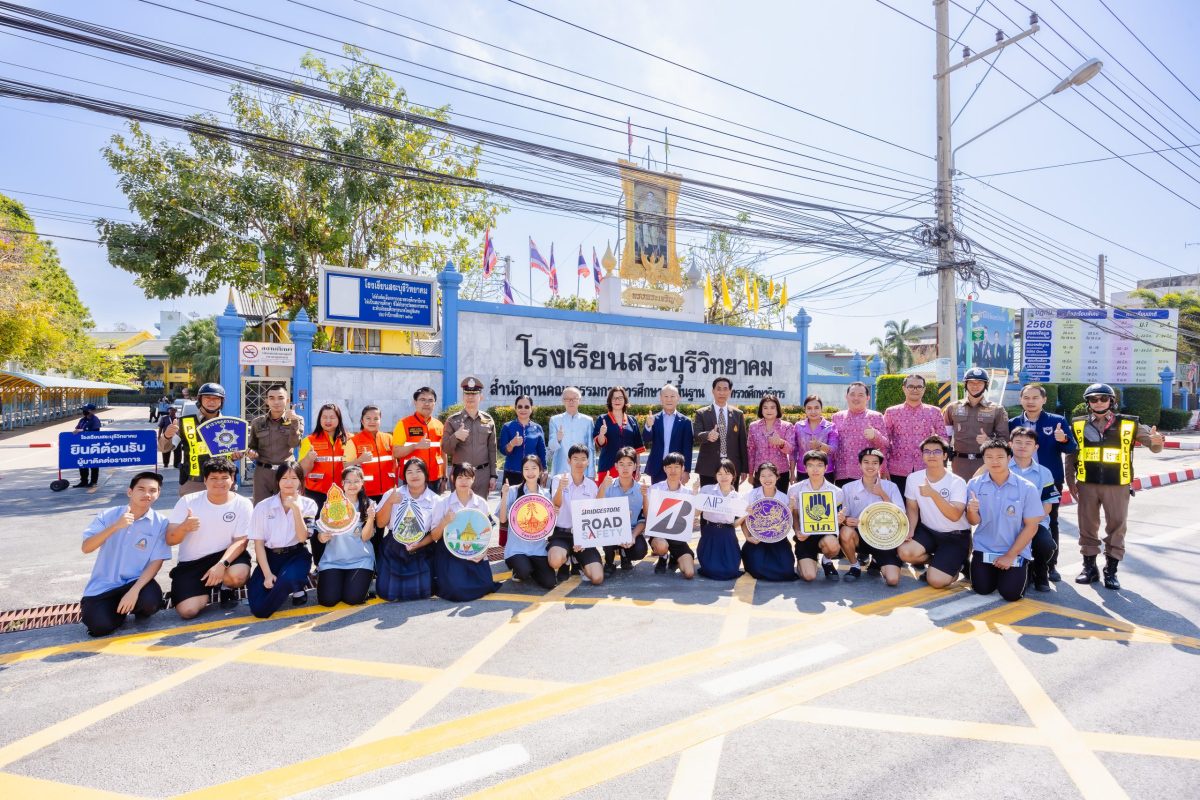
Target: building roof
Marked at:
151, 348
815, 371
26, 380
254, 308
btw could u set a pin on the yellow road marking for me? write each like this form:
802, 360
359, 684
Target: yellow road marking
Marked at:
1080, 762
344, 666
333, 767
579, 772
711, 610
450, 678
696, 771
1165, 637
1143, 635
60, 730
16, 786
1143, 745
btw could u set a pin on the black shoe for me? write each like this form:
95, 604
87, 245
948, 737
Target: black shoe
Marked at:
575, 569
1110, 574
1089, 573
660, 566
831, 573
924, 576
1054, 576
229, 598
874, 570
965, 569
300, 598
854, 574
626, 561
564, 572
610, 569
672, 564
80, 485
1041, 585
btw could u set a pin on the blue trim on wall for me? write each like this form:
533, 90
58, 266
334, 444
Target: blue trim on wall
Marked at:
321, 358
502, 310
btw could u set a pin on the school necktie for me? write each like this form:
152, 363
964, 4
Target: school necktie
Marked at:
722, 427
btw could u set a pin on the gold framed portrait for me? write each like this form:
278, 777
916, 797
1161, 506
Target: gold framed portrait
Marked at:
649, 251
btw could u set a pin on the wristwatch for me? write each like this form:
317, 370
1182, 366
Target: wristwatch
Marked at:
225, 561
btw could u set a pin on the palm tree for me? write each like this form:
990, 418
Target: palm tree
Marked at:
1188, 304
197, 345
895, 348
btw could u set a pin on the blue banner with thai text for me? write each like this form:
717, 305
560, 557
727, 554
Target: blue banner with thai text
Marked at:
107, 449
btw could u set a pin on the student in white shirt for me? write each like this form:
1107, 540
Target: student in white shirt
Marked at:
680, 552
868, 490
575, 485
938, 532
211, 528
279, 527
767, 561
808, 546
719, 553
454, 578
403, 570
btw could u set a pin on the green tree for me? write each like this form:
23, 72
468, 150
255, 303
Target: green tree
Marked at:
1188, 304
303, 213
572, 302
894, 350
727, 255
197, 345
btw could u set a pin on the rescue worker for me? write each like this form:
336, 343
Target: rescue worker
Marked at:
321, 458
972, 421
195, 454
470, 438
420, 436
271, 439
371, 449
1103, 471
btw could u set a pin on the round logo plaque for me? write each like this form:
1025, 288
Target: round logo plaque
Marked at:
769, 520
532, 517
468, 534
883, 526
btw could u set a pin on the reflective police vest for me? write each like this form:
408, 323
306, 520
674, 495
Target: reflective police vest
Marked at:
327, 468
1109, 461
379, 472
196, 448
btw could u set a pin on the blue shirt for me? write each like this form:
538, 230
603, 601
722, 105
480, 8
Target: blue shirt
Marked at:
88, 424
349, 551
576, 430
516, 546
534, 444
1050, 451
634, 496
1002, 512
126, 553
1041, 478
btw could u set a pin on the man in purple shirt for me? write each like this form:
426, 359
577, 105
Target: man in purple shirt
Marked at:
906, 425
858, 428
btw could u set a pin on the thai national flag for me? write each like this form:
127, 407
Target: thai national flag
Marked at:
596, 270
583, 267
553, 273
489, 254
508, 296
535, 258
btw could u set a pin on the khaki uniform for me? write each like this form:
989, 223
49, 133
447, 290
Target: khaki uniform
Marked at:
275, 443
968, 422
479, 450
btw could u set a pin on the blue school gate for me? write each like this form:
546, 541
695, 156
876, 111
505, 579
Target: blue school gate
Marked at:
540, 351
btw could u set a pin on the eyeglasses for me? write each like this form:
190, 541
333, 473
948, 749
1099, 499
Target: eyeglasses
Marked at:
520, 408
909, 386
1101, 399
933, 452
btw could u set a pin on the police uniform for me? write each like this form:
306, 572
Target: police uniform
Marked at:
194, 452
273, 440
479, 450
968, 421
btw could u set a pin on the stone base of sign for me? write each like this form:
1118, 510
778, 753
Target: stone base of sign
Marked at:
611, 301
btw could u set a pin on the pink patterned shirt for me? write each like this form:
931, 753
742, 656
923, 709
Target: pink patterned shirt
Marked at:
850, 427
906, 427
760, 449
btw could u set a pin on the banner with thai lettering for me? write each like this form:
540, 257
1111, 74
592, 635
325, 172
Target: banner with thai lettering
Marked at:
600, 521
108, 449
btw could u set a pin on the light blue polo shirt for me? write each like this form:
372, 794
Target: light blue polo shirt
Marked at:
122, 558
516, 546
1042, 478
1002, 511
633, 496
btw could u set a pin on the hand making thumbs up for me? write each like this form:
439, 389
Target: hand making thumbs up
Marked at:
927, 490
192, 523
973, 504
1156, 438
126, 519
1059, 434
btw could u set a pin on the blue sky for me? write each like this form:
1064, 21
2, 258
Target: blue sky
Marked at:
855, 62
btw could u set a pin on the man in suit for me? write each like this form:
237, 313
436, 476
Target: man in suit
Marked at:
668, 431
720, 432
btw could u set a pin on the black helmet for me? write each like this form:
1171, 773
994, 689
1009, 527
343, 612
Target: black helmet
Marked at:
975, 374
215, 389
1100, 390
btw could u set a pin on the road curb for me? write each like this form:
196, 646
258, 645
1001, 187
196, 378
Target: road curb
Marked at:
1149, 481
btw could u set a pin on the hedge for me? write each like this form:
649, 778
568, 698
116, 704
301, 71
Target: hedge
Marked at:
1173, 419
1144, 402
1052, 396
542, 414
1070, 394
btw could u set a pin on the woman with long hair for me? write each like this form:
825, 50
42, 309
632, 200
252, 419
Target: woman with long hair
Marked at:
321, 458
403, 571
613, 431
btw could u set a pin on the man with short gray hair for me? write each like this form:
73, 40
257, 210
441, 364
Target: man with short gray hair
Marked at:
566, 429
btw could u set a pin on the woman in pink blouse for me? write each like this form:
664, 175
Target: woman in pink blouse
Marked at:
769, 440
814, 432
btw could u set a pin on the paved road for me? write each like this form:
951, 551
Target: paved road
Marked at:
646, 687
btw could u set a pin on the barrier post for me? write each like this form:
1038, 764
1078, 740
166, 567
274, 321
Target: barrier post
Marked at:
1167, 376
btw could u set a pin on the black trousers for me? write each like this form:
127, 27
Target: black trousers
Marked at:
347, 586
901, 481
536, 568
1045, 551
99, 612
89, 475
987, 578
318, 547
1054, 526
635, 552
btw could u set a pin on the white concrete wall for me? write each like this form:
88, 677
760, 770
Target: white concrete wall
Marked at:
353, 388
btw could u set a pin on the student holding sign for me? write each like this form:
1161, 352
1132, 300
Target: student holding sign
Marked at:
718, 551
527, 559
626, 485
768, 560
564, 490
279, 527
938, 532
818, 508
1005, 510
403, 569
868, 490
348, 565
454, 578
680, 551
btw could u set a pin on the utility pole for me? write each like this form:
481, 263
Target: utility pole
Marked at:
1100, 274
946, 346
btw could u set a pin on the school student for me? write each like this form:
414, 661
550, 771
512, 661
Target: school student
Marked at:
564, 489
718, 551
132, 545
211, 528
938, 532
1005, 510
1025, 463
526, 559
404, 571
626, 485
868, 490
808, 546
681, 554
279, 528
457, 579
767, 561
349, 561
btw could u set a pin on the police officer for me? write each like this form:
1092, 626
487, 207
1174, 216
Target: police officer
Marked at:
183, 433
1103, 471
271, 440
470, 438
971, 422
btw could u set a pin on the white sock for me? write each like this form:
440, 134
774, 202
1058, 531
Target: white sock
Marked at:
299, 594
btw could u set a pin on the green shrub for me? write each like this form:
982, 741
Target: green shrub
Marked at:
1144, 402
1070, 394
1014, 411
889, 391
1173, 419
1079, 410
1052, 392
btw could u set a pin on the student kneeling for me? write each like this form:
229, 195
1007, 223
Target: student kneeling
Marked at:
133, 546
348, 562
1005, 510
280, 526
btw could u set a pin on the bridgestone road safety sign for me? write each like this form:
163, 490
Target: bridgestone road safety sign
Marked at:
598, 522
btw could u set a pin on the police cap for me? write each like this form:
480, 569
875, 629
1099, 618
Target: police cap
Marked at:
471, 385
975, 374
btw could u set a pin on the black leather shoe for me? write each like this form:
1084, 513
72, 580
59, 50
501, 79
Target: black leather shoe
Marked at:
610, 569
1041, 585
660, 566
853, 574
80, 485
1089, 573
1054, 576
229, 598
1110, 574
831, 573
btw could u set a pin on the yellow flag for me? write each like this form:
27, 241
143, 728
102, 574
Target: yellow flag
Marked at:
725, 301
754, 302
746, 290
708, 291
783, 297
771, 290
